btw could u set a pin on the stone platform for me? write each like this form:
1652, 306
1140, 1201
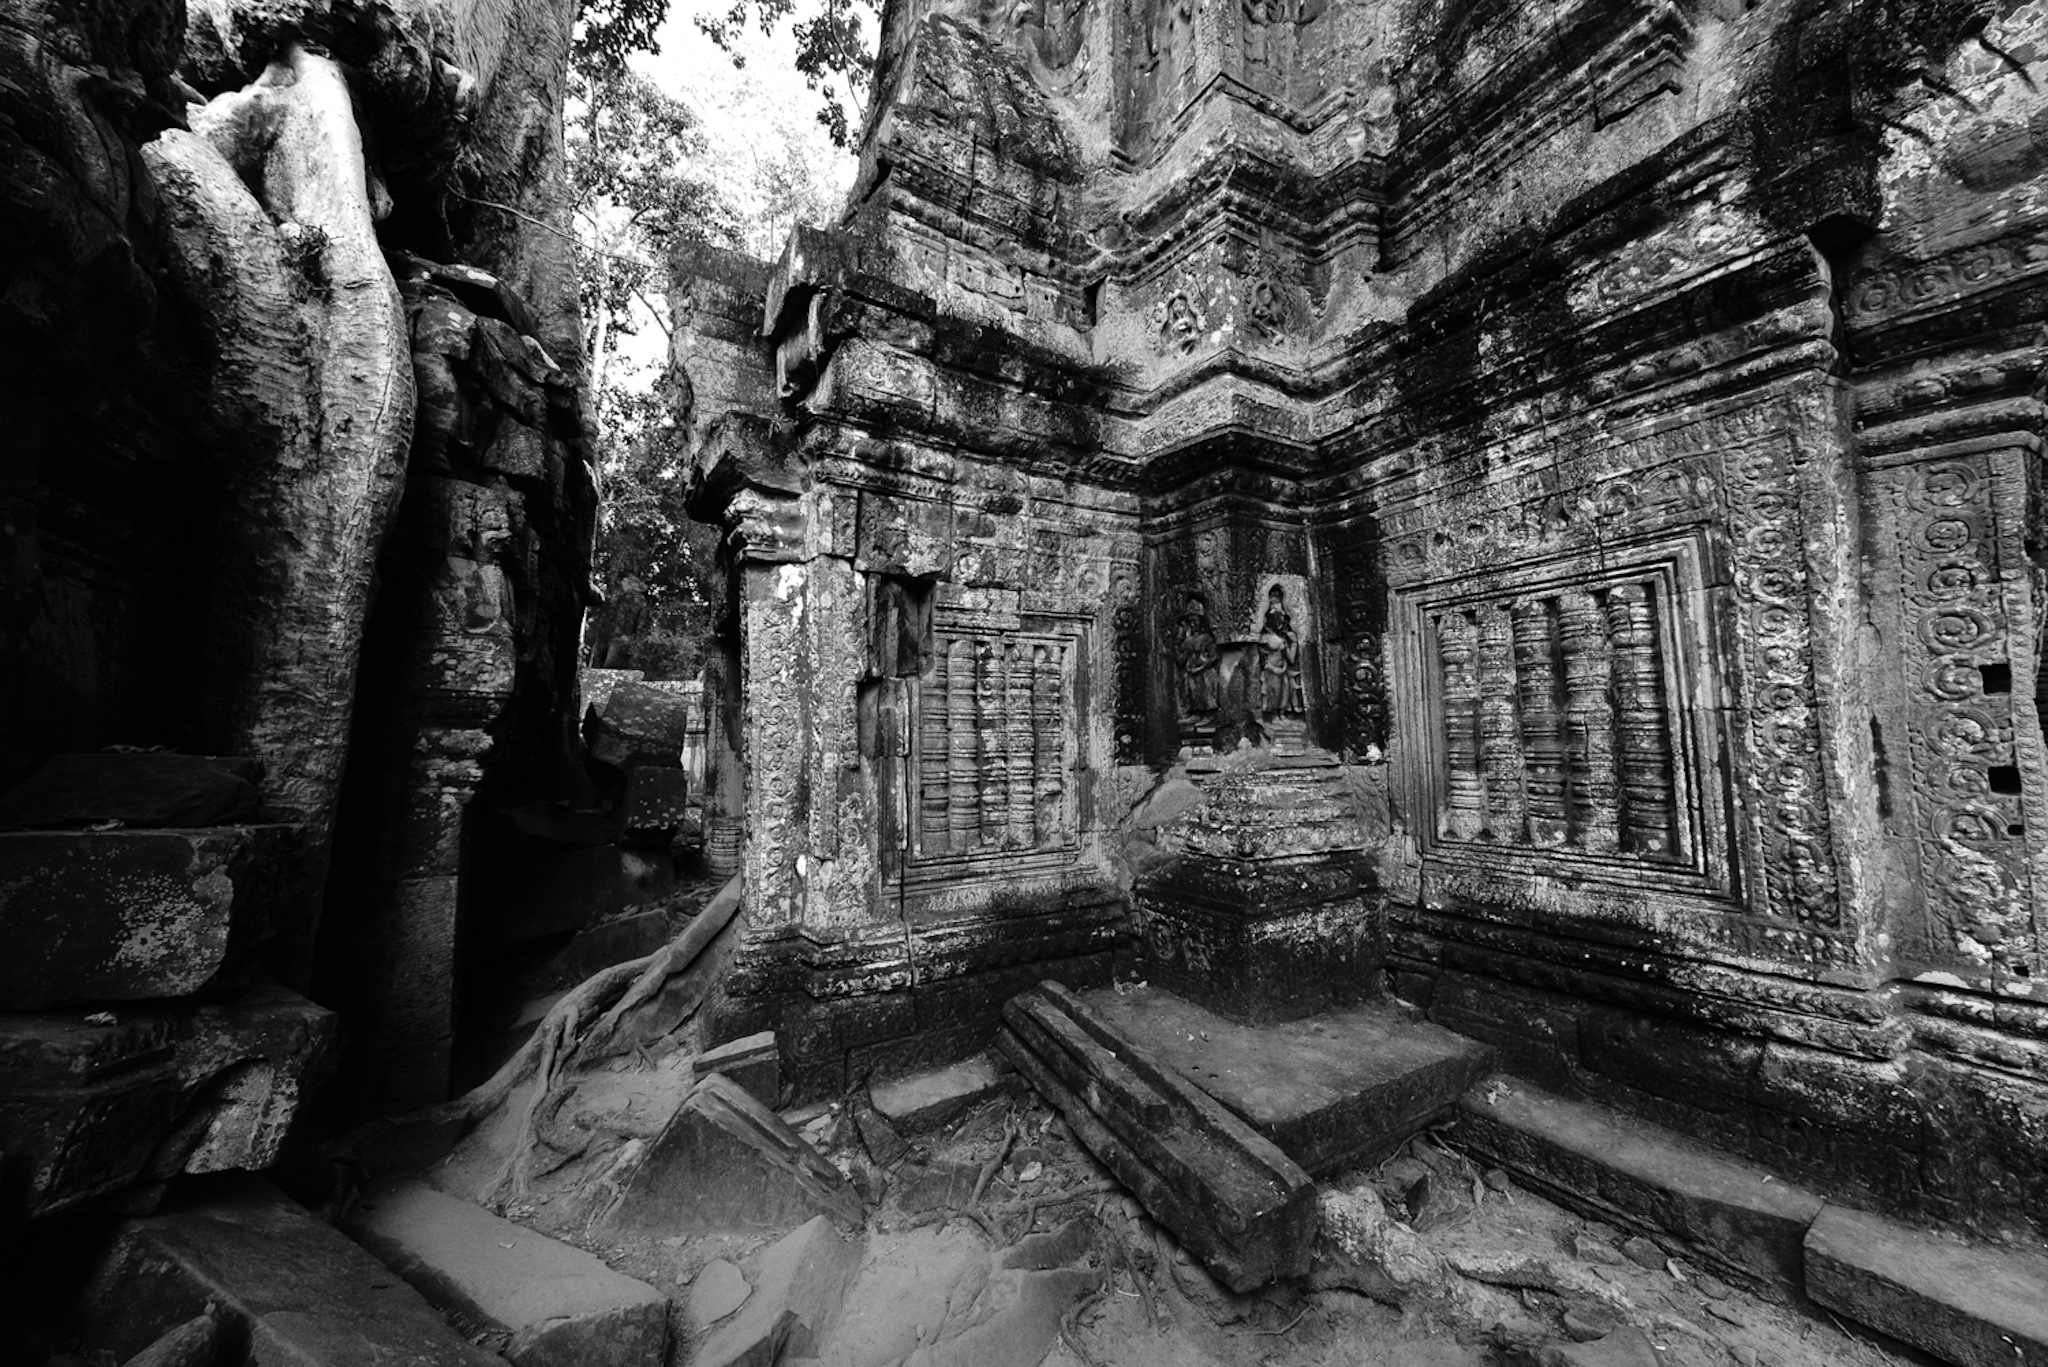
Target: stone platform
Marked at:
1332, 1090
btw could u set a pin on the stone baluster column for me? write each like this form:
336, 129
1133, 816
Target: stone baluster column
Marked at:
1643, 722
1592, 794
1500, 728
1542, 717
1465, 800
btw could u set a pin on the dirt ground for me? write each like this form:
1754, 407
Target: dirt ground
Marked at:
1131, 1298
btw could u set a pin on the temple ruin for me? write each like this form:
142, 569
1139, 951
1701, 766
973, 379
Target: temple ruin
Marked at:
1336, 610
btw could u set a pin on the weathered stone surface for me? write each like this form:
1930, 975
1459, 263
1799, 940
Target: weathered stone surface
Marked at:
800, 1283
718, 1290
724, 1161
557, 1305
1627, 1346
130, 915
296, 1288
1362, 1248
1331, 1090
1973, 1305
1730, 1212
93, 1101
640, 724
148, 789
752, 1063
1233, 1199
921, 1102
191, 1344
652, 810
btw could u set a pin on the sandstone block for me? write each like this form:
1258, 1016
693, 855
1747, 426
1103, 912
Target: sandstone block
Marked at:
724, 1161
922, 1102
752, 1062
640, 724
652, 811
296, 1289
720, 1289
558, 1306
799, 1287
143, 790
1973, 1305
1627, 1346
133, 914
1232, 1198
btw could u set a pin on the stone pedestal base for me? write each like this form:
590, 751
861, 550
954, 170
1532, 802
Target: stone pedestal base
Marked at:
1264, 913
1264, 964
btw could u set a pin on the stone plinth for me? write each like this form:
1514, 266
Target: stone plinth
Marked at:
1264, 914
1332, 1091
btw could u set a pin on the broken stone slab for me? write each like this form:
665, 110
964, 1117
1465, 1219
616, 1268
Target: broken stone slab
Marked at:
724, 1161
295, 1288
1627, 1346
800, 1285
135, 788
1333, 1090
719, 1290
753, 1062
129, 915
639, 724
1974, 1305
555, 1304
1733, 1214
1231, 1197
922, 1102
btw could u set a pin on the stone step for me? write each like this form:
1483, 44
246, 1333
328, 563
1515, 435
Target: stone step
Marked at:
1232, 1198
1974, 1305
1334, 1090
922, 1102
134, 915
296, 1289
1730, 1214
549, 1302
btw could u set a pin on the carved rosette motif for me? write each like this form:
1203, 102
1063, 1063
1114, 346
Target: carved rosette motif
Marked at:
1967, 776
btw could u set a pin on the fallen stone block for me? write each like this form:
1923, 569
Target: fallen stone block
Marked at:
295, 1289
1615, 1167
111, 916
1231, 1197
800, 1285
1973, 1305
724, 1161
652, 809
922, 1102
138, 789
553, 1304
753, 1062
92, 1102
83, 1104
639, 724
248, 1065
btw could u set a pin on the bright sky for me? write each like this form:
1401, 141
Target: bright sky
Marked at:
751, 116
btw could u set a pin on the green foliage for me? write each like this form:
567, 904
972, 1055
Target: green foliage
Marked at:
831, 52
658, 569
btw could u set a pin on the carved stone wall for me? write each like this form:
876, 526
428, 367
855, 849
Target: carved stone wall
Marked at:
1637, 411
